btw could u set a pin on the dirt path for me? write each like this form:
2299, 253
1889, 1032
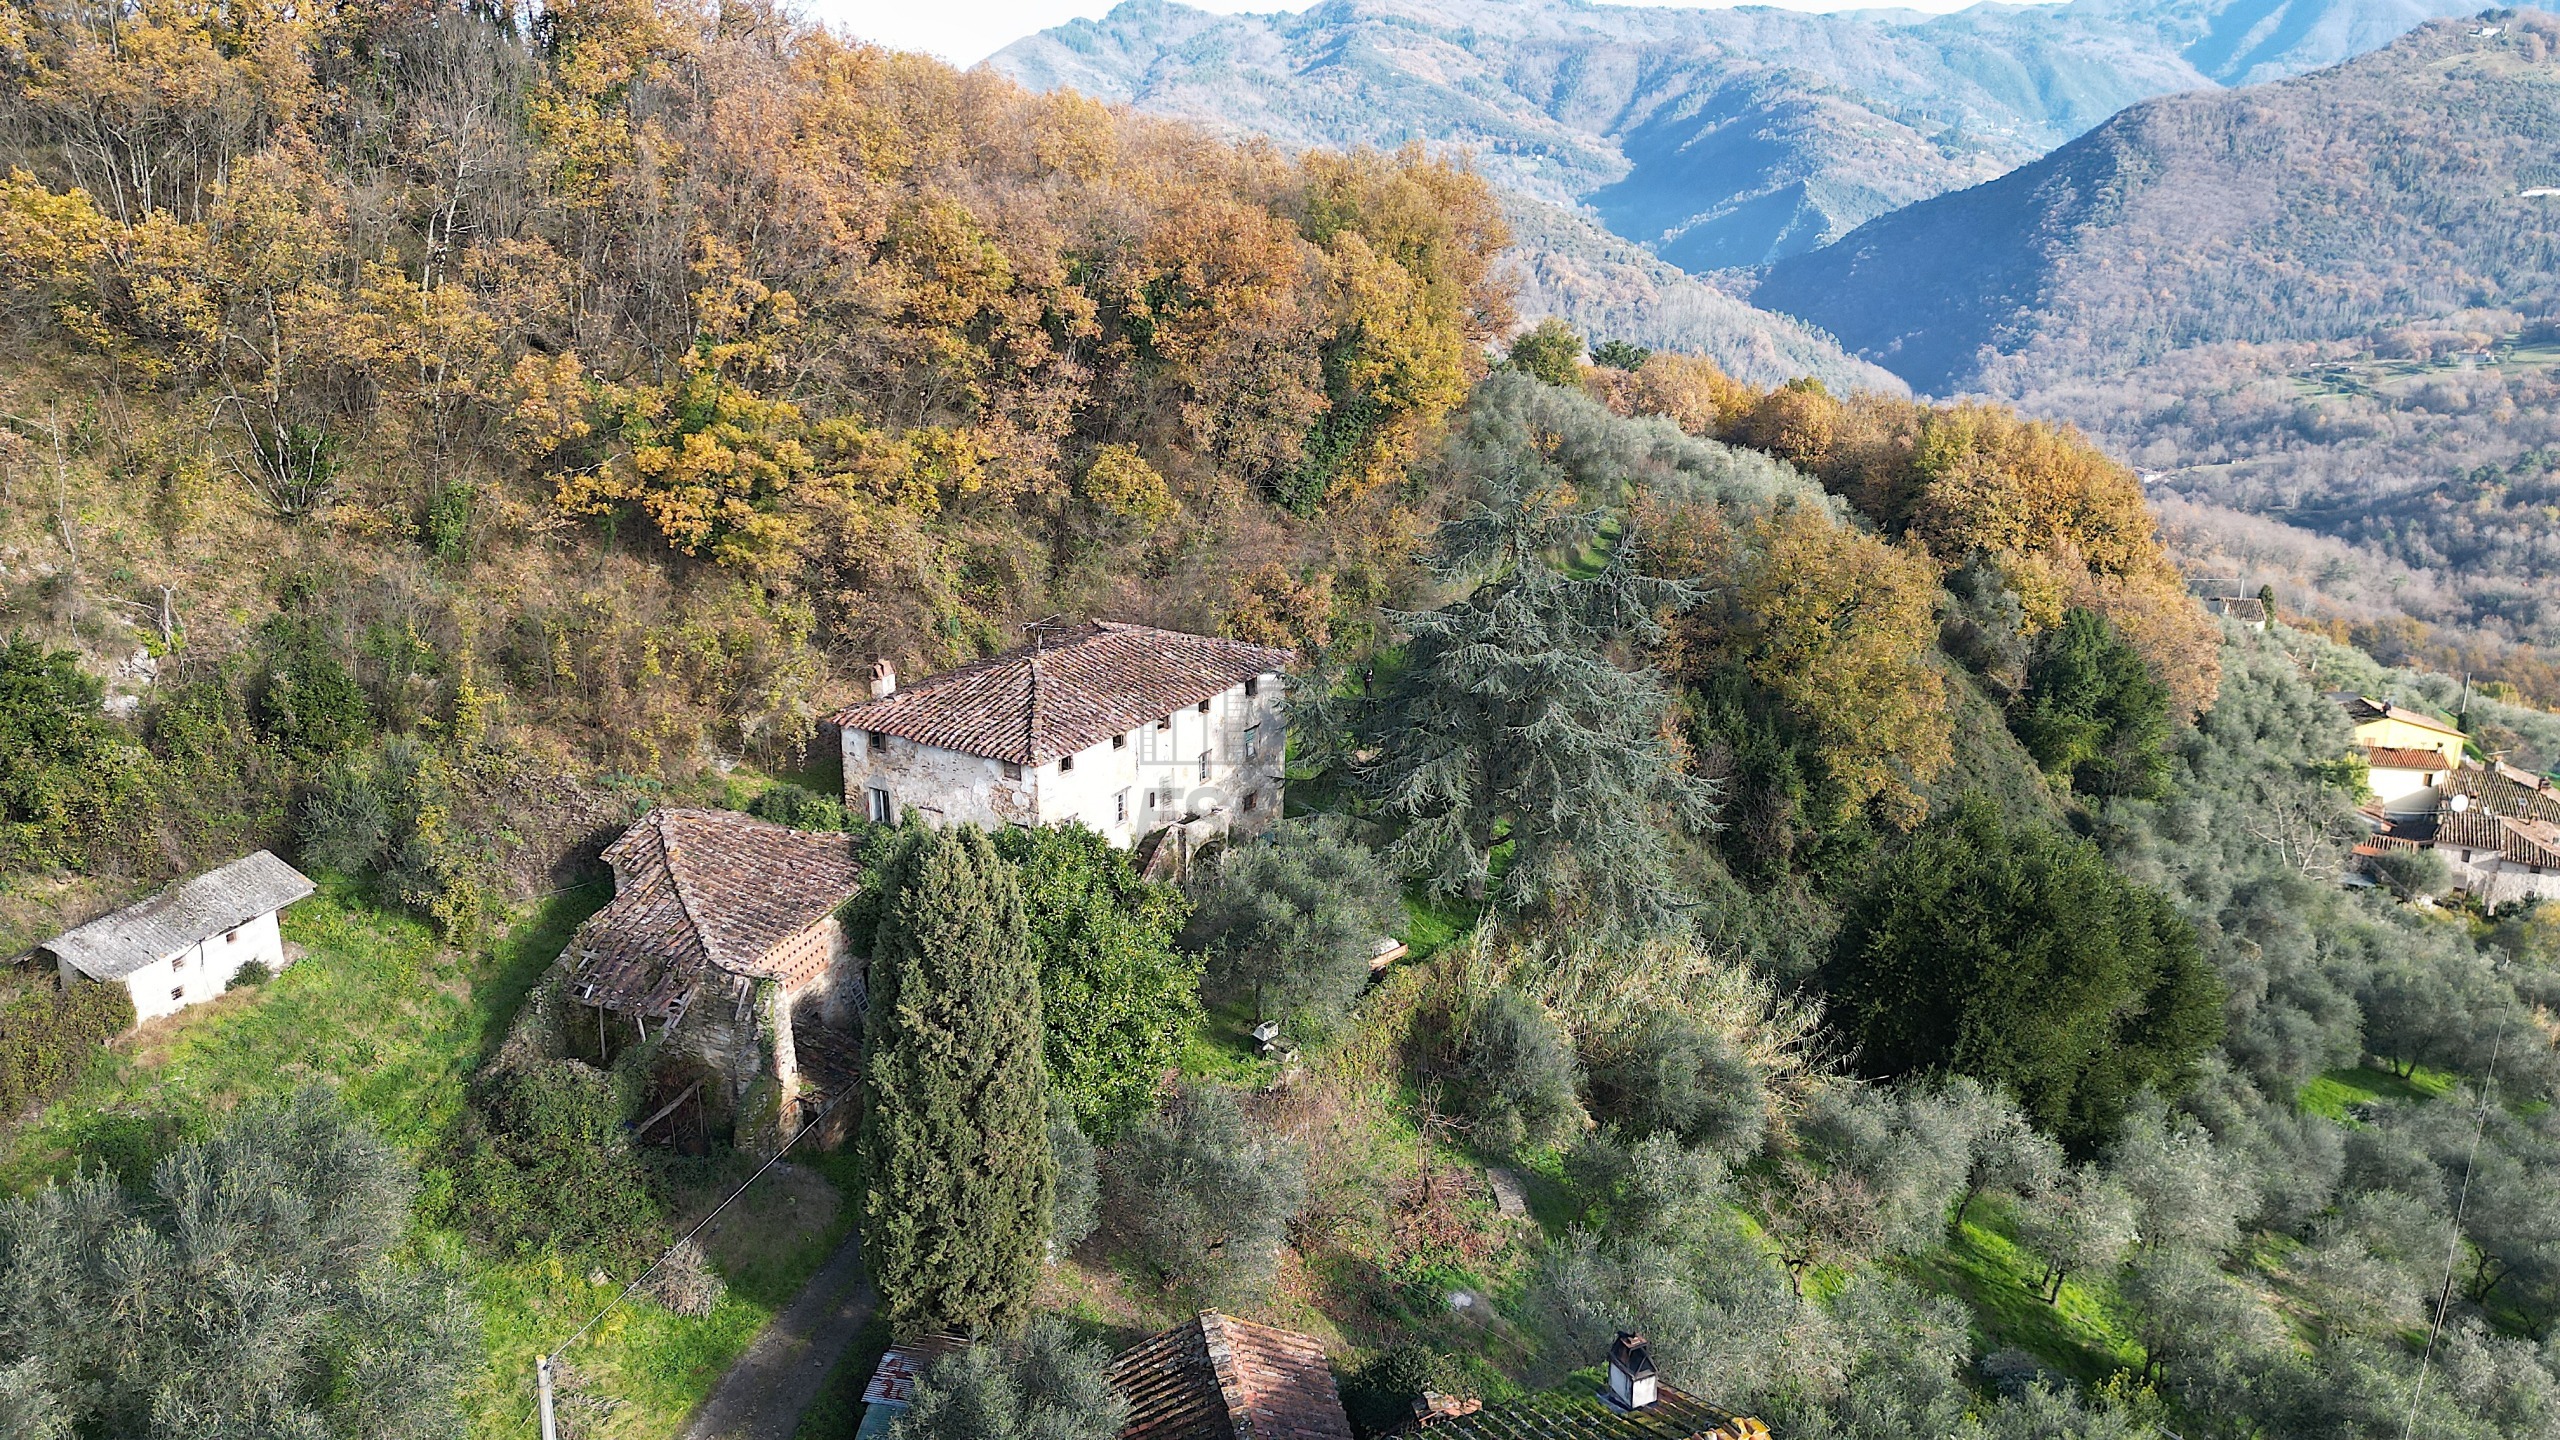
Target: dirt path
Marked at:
764, 1395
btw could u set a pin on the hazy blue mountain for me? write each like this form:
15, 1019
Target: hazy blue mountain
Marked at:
1715, 138
2386, 193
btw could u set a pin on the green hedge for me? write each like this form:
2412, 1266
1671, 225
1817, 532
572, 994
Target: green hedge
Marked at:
47, 1035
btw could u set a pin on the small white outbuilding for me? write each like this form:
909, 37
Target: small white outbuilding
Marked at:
185, 944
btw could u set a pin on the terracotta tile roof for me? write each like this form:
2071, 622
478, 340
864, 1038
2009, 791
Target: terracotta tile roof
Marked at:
1220, 1378
2387, 757
1568, 1415
1034, 704
114, 946
698, 891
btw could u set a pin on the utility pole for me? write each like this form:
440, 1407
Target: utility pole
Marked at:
542, 1381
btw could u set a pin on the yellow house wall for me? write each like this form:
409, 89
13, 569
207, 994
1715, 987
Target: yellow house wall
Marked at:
2401, 735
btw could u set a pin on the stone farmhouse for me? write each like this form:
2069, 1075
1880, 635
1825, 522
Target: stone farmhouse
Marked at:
184, 945
723, 930
1122, 728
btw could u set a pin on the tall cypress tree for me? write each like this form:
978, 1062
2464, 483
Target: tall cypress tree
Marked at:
958, 1169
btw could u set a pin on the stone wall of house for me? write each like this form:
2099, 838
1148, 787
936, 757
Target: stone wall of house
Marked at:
1224, 762
948, 787
2497, 881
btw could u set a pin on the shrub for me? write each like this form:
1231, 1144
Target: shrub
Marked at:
71, 782
2019, 957
1290, 924
1551, 350
1515, 1071
253, 972
685, 1283
257, 1288
1045, 1385
1201, 1195
2093, 712
1116, 997
47, 1035
798, 807
1379, 1395
1076, 1206
1673, 1075
545, 1161
2408, 874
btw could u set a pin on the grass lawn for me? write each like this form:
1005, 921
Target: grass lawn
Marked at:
1983, 1266
2335, 1093
397, 1022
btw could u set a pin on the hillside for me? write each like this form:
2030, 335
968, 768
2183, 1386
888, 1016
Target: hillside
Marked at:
2382, 193
1607, 288
1740, 135
2323, 300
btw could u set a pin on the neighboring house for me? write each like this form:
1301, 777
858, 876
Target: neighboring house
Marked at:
2384, 725
2405, 782
1121, 727
2497, 829
1219, 1378
1631, 1404
2248, 610
182, 946
722, 929
2407, 754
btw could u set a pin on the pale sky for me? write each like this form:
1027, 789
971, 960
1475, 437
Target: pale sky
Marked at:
965, 32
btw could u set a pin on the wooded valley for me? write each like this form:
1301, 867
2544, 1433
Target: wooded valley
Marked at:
1896, 943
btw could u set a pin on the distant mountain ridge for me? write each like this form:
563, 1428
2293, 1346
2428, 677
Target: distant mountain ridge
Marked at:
1716, 138
2385, 192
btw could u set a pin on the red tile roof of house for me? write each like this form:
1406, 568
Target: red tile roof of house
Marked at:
1220, 1378
1039, 702
697, 891
2387, 757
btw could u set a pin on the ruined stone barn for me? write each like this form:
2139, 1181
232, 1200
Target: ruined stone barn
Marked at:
725, 943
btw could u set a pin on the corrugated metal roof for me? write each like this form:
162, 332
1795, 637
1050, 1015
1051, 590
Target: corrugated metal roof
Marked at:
1220, 1378
213, 903
1036, 703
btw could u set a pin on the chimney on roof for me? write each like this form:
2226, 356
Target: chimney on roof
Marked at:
884, 679
1632, 1382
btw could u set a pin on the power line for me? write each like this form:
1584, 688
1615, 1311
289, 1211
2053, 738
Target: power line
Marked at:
2453, 1239
542, 1366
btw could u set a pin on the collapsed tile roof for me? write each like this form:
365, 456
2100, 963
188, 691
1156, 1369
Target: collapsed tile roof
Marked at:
702, 891
1220, 1378
1564, 1416
187, 913
1034, 704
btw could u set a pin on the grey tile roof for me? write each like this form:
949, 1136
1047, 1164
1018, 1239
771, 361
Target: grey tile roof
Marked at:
1034, 704
213, 903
